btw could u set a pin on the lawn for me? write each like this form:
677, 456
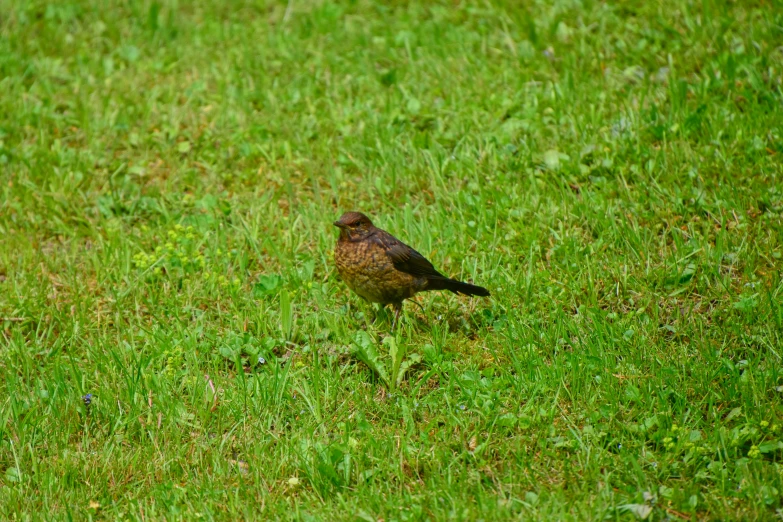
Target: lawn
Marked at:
175, 342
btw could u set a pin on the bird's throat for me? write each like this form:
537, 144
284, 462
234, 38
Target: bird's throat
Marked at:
353, 236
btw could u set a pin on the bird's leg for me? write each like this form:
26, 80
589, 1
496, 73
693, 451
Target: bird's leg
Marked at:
397, 309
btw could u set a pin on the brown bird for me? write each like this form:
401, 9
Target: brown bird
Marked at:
382, 269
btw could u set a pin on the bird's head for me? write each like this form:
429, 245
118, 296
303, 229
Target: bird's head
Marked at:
354, 225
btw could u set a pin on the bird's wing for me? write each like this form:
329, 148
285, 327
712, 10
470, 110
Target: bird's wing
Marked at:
404, 258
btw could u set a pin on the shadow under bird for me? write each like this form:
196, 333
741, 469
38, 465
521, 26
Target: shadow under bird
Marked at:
382, 269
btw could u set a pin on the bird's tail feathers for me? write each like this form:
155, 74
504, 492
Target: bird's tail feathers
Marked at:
458, 287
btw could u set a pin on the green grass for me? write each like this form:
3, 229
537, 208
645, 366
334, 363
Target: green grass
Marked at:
169, 173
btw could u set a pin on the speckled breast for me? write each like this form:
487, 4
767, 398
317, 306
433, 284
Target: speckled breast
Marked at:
367, 270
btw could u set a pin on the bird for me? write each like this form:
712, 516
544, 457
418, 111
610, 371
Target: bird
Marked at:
382, 269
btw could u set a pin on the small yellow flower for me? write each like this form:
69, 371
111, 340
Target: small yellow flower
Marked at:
206, 275
675, 428
190, 229
170, 246
172, 234
764, 424
236, 281
178, 227
754, 452
158, 249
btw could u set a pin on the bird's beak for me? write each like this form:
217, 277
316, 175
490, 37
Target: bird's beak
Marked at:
338, 224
